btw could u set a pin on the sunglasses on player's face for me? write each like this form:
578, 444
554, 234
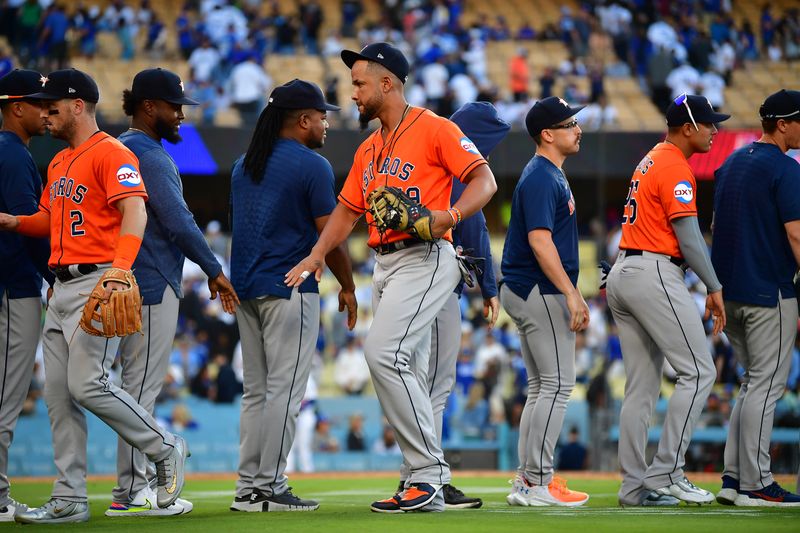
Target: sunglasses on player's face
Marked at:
568, 126
684, 100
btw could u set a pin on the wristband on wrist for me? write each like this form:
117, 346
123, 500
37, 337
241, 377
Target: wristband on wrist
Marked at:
127, 250
458, 215
453, 217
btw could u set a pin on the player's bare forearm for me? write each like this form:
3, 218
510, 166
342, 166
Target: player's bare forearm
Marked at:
481, 186
541, 242
8, 222
134, 216
338, 260
336, 229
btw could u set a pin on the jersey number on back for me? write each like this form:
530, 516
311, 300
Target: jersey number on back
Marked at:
629, 214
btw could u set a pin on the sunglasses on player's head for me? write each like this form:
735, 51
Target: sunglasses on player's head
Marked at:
684, 100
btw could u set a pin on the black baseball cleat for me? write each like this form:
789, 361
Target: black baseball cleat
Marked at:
260, 502
455, 499
241, 503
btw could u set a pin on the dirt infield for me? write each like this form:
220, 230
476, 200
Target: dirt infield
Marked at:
701, 477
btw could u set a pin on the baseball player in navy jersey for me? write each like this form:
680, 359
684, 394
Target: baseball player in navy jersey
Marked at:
756, 252
419, 152
479, 122
154, 104
23, 262
281, 198
93, 209
540, 292
656, 315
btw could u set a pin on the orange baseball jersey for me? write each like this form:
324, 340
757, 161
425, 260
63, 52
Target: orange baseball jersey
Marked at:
662, 189
82, 186
421, 157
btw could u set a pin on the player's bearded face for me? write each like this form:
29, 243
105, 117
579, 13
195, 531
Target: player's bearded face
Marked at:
370, 109
168, 120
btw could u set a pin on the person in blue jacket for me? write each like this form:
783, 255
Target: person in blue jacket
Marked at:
155, 103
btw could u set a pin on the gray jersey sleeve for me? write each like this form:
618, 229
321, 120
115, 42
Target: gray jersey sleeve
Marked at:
694, 250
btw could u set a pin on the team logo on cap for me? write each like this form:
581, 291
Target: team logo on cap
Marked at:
563, 102
469, 146
683, 192
181, 84
380, 56
43, 80
128, 176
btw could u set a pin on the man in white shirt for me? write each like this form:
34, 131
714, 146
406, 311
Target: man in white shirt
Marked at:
248, 86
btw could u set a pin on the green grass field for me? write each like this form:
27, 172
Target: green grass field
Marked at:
345, 507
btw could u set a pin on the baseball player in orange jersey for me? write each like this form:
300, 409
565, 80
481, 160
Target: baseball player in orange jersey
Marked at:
93, 210
655, 313
419, 152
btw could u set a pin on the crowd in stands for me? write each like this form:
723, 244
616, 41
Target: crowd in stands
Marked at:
670, 47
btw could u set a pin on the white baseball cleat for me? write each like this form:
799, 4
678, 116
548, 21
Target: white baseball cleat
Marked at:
686, 491
170, 474
555, 494
11, 509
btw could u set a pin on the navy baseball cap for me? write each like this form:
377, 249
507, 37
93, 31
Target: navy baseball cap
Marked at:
19, 83
160, 84
299, 94
691, 109
384, 54
67, 83
548, 112
782, 104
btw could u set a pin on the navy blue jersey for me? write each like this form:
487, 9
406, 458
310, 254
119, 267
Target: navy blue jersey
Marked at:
273, 221
171, 232
757, 191
542, 200
23, 260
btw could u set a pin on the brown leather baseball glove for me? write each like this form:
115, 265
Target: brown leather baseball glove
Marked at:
391, 208
121, 313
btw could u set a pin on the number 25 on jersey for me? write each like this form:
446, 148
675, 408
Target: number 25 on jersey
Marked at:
631, 206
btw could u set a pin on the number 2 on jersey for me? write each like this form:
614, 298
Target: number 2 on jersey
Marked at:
629, 214
77, 221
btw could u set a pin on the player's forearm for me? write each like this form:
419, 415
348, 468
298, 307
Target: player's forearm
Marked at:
337, 229
338, 260
35, 225
481, 186
546, 253
694, 250
134, 220
793, 234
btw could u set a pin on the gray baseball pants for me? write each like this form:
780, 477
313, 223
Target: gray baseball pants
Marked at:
76, 367
410, 287
20, 326
657, 318
548, 350
762, 340
278, 339
145, 360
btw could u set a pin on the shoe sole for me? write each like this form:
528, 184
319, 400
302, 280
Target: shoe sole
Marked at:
727, 496
515, 500
180, 478
746, 501
467, 505
695, 499
150, 512
385, 511
272, 507
83, 517
241, 506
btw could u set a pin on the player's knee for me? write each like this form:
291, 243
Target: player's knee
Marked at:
80, 392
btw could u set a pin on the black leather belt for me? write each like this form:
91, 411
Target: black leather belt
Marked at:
677, 261
70, 272
390, 248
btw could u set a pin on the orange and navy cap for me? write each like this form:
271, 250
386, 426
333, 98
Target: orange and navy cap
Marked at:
68, 83
19, 83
